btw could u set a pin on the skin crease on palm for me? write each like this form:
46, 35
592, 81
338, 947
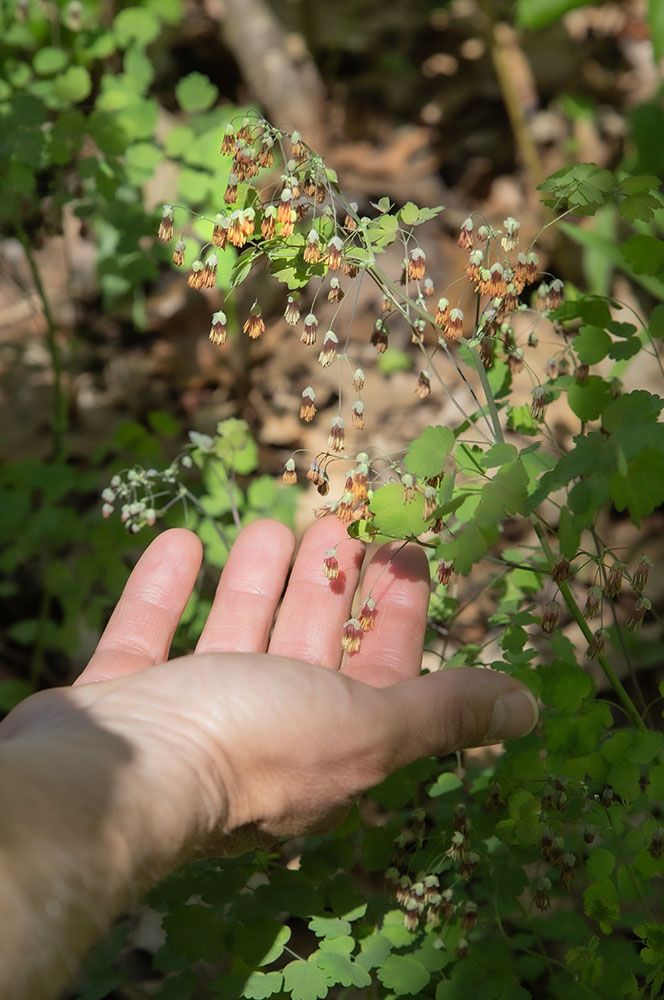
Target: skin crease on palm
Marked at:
266, 731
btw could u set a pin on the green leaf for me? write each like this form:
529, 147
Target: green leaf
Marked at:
591, 344
261, 942
645, 254
469, 547
427, 454
195, 92
656, 324
601, 863
49, 60
403, 974
73, 85
591, 308
588, 398
656, 18
600, 902
195, 932
374, 950
641, 488
242, 266
329, 926
135, 24
537, 13
646, 746
260, 985
394, 517
305, 981
340, 969
409, 214
498, 454
581, 188
520, 420
444, 783
138, 68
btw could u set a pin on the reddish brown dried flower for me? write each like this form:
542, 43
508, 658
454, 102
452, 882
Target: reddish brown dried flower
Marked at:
423, 387
337, 436
330, 562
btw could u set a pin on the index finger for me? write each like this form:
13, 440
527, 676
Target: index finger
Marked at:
141, 628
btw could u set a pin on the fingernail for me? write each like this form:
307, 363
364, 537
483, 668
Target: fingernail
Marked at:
514, 714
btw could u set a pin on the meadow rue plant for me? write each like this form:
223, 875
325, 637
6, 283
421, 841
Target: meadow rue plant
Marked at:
531, 872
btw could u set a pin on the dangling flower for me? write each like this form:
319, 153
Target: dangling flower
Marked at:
298, 149
288, 227
210, 272
416, 264
357, 415
555, 295
379, 336
640, 577
331, 564
345, 508
195, 279
178, 253
308, 409
423, 387
310, 327
596, 645
314, 473
349, 221
358, 380
220, 231
442, 312
475, 261
367, 615
312, 253
335, 293
289, 477
465, 240
165, 233
352, 634
539, 403
218, 330
430, 502
635, 620
511, 234
351, 269
337, 435
428, 287
248, 222
265, 157
656, 845
496, 280
592, 603
567, 866
328, 353
254, 325
542, 895
228, 142
550, 617
561, 571
334, 253
285, 206
444, 571
236, 232
269, 223
454, 326
292, 313
614, 580
230, 194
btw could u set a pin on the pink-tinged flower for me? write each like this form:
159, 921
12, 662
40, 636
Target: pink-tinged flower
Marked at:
416, 264
357, 415
310, 327
550, 617
218, 331
329, 350
358, 379
178, 253
307, 407
312, 252
423, 387
352, 634
454, 325
367, 616
334, 253
465, 240
337, 437
166, 225
254, 325
289, 477
292, 311
330, 562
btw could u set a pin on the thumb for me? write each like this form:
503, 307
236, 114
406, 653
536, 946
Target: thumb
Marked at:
462, 707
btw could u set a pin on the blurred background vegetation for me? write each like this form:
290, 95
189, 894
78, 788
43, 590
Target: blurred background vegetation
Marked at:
109, 109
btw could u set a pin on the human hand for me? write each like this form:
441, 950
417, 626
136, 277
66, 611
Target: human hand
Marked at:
264, 731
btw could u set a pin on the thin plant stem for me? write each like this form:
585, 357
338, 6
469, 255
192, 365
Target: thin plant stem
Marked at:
59, 425
577, 615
